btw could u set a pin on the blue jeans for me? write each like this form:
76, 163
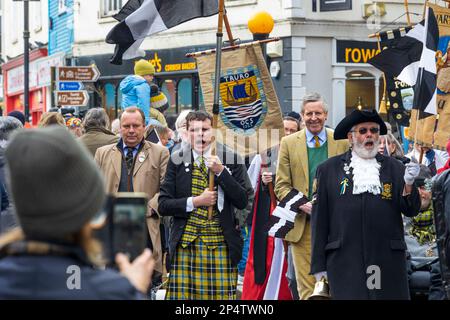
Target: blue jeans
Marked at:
246, 231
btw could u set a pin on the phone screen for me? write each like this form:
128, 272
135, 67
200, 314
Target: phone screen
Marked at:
130, 235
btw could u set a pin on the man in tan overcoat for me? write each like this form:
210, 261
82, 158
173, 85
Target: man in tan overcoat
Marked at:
136, 165
299, 156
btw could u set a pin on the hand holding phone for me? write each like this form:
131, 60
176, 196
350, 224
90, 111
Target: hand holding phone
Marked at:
140, 271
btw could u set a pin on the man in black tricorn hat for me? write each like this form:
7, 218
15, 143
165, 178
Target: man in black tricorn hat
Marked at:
357, 229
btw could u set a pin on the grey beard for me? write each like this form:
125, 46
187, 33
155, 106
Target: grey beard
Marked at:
362, 152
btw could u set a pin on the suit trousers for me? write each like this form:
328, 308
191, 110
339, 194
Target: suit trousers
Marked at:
301, 254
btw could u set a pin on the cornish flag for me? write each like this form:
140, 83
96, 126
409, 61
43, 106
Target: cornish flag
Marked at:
141, 18
283, 217
425, 88
414, 63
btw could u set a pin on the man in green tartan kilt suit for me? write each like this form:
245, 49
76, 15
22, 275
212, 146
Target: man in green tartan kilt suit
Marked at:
204, 253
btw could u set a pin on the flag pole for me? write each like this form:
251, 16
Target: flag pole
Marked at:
228, 28
408, 18
215, 109
382, 106
419, 83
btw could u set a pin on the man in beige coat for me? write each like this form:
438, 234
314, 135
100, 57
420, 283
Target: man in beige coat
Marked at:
299, 156
136, 165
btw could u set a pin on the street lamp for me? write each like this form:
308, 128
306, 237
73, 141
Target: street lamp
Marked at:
26, 57
261, 25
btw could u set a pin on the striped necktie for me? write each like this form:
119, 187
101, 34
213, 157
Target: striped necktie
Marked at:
129, 158
316, 142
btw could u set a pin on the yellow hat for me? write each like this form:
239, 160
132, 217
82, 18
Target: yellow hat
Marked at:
143, 67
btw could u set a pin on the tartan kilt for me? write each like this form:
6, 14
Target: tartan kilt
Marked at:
199, 273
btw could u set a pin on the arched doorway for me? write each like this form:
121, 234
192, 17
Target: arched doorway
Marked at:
361, 91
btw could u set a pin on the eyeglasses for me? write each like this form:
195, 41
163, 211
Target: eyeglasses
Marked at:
372, 130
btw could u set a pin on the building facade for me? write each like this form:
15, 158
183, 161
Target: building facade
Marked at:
324, 47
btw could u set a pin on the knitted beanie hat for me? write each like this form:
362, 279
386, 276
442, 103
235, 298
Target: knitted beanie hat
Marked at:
56, 185
18, 115
143, 67
73, 122
158, 99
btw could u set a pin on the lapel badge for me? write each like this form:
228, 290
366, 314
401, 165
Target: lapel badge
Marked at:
347, 168
386, 194
344, 184
141, 157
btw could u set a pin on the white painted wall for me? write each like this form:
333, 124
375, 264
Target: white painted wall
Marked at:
12, 26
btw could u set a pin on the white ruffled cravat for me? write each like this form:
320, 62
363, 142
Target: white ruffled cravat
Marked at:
366, 175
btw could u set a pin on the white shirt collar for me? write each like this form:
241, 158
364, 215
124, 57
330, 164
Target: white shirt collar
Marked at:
322, 135
205, 154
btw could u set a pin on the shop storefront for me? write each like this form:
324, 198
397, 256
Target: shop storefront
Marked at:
39, 83
363, 84
176, 75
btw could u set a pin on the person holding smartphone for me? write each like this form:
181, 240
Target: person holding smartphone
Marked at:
57, 190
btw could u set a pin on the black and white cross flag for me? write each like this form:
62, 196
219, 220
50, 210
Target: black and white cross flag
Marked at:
425, 87
414, 63
141, 18
282, 219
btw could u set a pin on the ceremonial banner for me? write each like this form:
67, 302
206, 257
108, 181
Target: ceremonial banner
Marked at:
429, 133
399, 93
250, 118
442, 133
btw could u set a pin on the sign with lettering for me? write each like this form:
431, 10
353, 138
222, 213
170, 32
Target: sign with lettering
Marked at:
70, 86
350, 51
79, 73
72, 98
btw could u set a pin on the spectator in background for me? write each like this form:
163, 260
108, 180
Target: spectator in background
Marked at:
291, 125
51, 118
74, 126
159, 104
96, 130
297, 117
136, 88
447, 164
18, 115
115, 127
389, 146
7, 215
180, 128
55, 234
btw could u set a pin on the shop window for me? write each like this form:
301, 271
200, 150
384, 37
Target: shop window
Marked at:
360, 91
110, 7
110, 99
185, 94
168, 88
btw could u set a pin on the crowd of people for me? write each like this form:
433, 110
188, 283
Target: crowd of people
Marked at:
363, 216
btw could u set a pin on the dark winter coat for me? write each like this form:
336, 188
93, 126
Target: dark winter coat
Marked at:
353, 235
31, 276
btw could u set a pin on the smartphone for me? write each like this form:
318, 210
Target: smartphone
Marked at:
129, 224
153, 136
122, 225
